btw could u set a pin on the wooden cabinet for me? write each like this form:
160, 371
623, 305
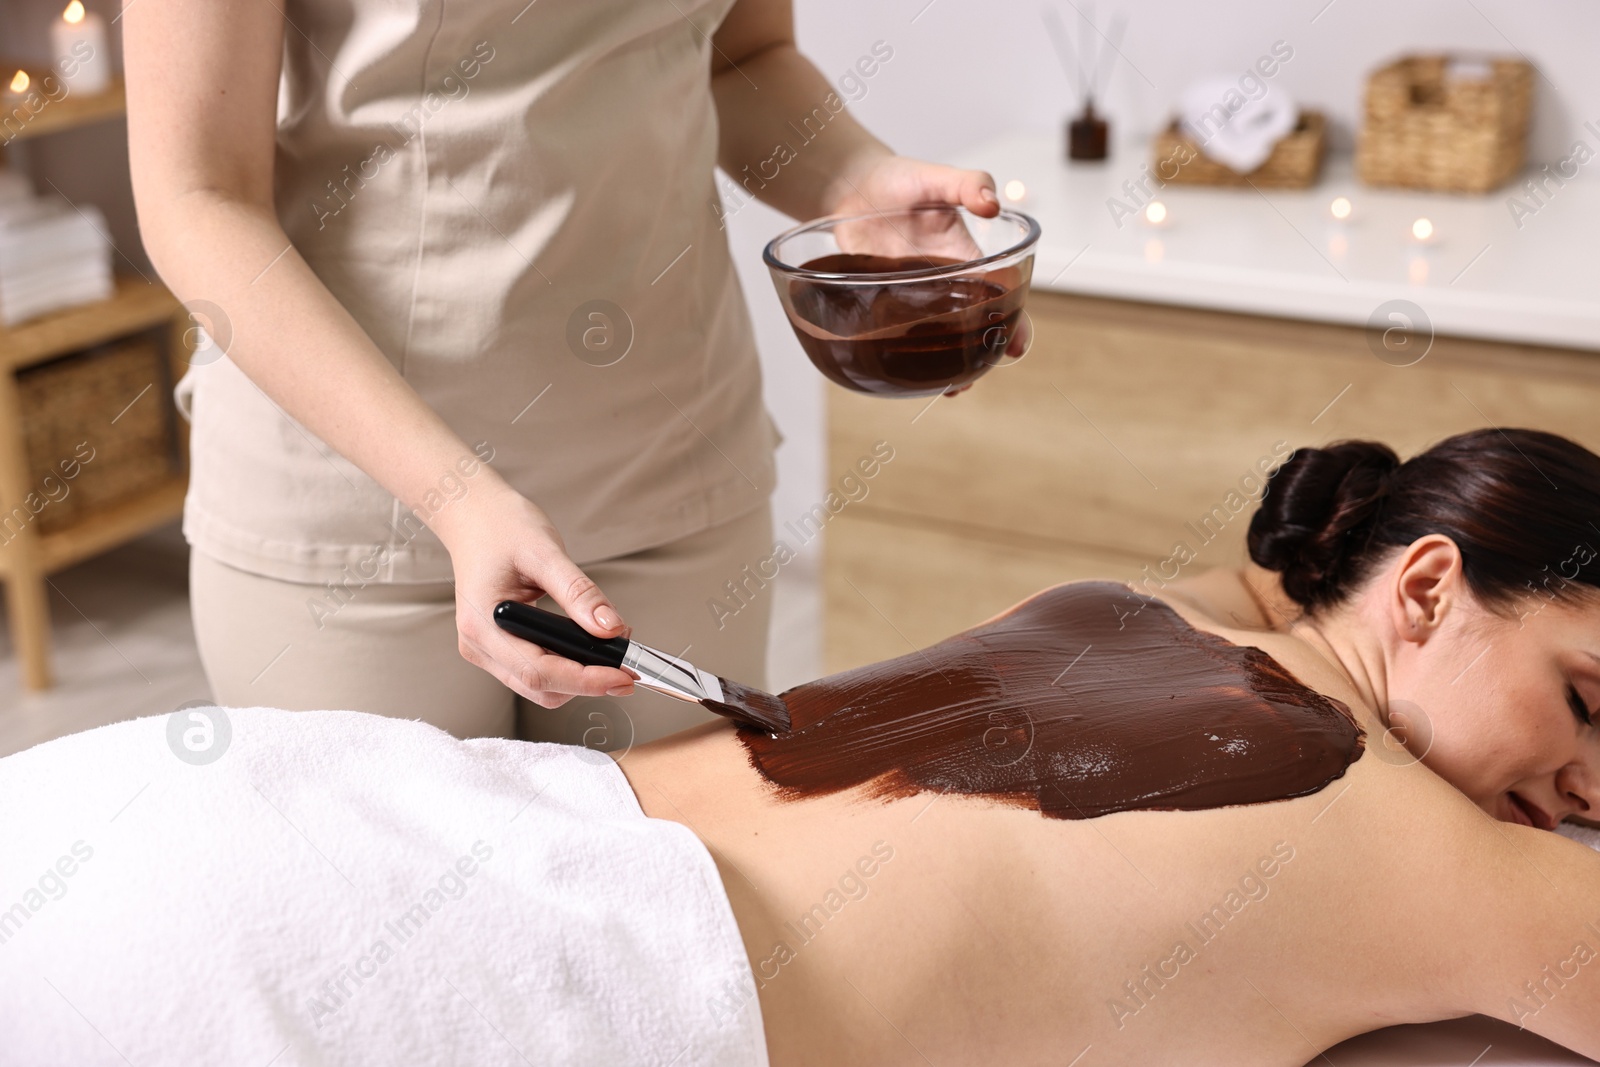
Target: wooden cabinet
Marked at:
29, 554
1122, 433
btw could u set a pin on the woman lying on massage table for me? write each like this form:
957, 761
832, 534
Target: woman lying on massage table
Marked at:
1103, 827
1452, 597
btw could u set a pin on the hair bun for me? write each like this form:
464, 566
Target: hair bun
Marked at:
1316, 508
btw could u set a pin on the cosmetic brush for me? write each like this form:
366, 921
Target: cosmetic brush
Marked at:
651, 668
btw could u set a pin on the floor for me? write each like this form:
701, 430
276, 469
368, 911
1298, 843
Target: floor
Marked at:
124, 646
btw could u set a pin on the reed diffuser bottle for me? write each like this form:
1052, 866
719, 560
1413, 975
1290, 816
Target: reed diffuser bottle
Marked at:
1088, 135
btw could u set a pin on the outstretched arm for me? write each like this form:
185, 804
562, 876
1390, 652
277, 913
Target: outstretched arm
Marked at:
1537, 946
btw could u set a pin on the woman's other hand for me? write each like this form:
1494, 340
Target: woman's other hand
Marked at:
886, 183
503, 547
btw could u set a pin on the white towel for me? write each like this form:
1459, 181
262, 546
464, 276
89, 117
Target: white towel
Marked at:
340, 888
1231, 126
46, 231
52, 290
1584, 835
52, 256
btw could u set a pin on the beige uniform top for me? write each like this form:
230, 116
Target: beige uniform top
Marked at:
517, 204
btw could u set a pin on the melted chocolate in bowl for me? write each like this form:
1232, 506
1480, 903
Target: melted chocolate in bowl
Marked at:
904, 338
1083, 700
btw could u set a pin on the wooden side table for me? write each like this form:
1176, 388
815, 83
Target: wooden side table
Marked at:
29, 556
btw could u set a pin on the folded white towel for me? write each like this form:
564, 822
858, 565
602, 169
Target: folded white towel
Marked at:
45, 231
340, 888
18, 303
1232, 127
52, 256
50, 277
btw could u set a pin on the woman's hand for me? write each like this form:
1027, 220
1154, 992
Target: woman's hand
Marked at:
883, 182
503, 547
845, 172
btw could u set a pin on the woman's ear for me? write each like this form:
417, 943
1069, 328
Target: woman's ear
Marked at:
1427, 583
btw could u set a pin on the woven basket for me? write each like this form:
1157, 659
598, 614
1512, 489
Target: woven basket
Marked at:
83, 405
1294, 163
1429, 126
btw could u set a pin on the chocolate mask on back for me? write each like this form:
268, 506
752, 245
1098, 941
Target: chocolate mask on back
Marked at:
1071, 704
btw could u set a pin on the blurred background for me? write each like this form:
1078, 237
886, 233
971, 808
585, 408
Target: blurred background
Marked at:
1191, 324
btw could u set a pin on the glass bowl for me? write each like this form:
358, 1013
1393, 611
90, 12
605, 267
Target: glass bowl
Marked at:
905, 303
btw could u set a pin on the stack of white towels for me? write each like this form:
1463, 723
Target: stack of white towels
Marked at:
53, 254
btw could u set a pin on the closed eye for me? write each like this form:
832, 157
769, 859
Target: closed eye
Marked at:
1579, 708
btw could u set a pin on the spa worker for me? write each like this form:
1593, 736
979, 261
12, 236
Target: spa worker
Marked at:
474, 331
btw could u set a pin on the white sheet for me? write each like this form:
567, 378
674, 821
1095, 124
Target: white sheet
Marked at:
176, 911
180, 911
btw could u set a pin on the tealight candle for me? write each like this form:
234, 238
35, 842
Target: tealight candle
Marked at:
17, 87
78, 39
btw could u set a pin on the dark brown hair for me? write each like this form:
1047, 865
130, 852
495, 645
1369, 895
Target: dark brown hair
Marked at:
1523, 507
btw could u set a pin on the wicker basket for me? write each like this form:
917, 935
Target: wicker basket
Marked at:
1294, 163
98, 425
1430, 124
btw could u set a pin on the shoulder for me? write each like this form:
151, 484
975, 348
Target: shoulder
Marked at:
1481, 908
1247, 598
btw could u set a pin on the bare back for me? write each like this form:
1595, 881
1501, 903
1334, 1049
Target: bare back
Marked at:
962, 929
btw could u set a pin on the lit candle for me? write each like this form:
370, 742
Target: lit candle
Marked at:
1341, 208
17, 87
78, 39
1422, 231
1155, 214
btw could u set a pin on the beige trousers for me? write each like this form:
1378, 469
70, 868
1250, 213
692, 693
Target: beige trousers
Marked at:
391, 649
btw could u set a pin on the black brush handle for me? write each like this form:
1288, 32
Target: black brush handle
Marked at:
559, 634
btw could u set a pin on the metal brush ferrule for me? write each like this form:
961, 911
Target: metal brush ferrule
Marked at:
670, 675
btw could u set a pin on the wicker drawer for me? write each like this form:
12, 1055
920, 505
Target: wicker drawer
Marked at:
97, 429
1295, 162
1427, 130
